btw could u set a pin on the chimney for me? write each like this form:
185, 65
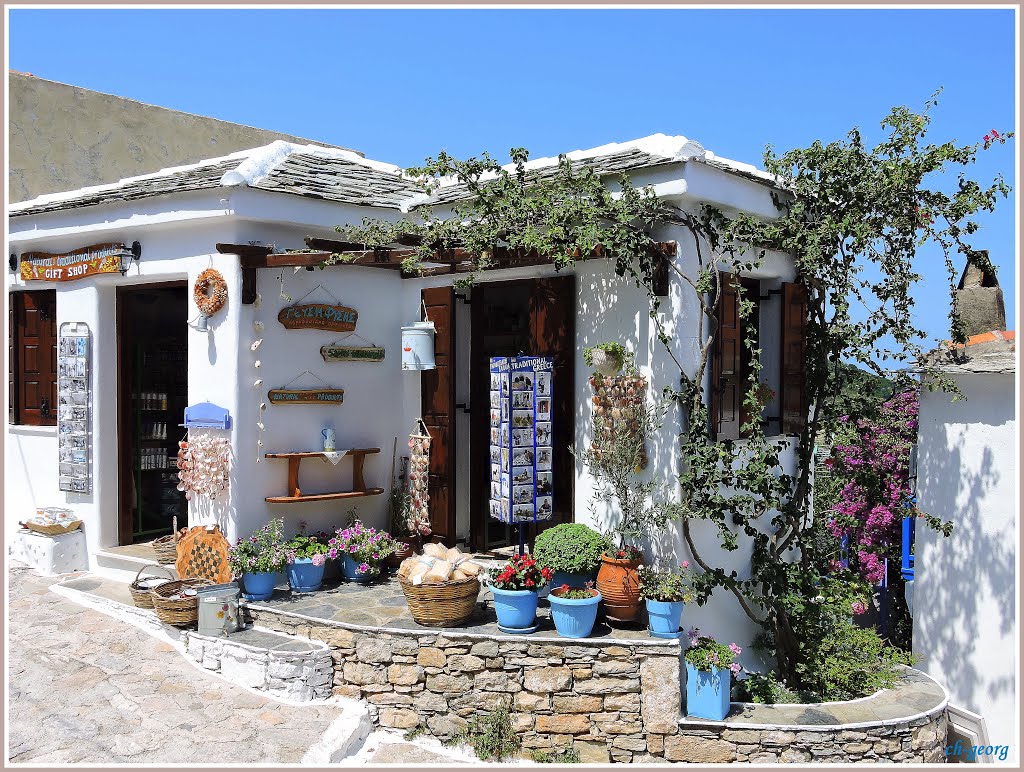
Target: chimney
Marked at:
979, 300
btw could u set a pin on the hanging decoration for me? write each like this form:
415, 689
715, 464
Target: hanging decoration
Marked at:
318, 316
522, 485
203, 465
419, 470
328, 395
210, 292
336, 352
617, 402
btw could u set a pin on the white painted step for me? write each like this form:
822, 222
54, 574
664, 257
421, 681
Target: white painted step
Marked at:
124, 568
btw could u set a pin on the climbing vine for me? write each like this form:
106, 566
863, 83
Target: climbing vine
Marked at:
852, 217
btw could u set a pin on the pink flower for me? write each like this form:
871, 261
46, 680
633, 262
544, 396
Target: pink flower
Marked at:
735, 667
858, 607
364, 568
685, 564
319, 559
735, 649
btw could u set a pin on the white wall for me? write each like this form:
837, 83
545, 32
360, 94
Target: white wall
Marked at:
965, 621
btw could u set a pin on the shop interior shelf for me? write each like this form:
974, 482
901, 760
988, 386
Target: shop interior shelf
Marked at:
295, 493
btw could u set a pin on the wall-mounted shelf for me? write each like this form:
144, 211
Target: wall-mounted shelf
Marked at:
206, 415
295, 493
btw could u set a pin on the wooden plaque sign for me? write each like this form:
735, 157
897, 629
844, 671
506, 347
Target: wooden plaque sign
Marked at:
65, 266
352, 353
306, 396
318, 316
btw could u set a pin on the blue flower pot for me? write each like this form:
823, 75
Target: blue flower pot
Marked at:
303, 576
663, 618
259, 586
332, 569
350, 569
574, 618
516, 609
573, 580
707, 693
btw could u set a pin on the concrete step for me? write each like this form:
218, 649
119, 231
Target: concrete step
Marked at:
119, 566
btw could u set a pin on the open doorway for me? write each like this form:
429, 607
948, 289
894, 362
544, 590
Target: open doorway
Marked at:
152, 395
534, 317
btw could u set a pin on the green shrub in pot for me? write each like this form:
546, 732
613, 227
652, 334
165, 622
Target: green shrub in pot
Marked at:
572, 551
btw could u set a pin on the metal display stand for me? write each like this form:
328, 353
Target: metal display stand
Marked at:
74, 423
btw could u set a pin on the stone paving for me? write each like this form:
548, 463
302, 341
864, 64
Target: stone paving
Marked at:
86, 688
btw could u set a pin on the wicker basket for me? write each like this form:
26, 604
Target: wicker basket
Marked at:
445, 604
54, 529
180, 612
166, 547
143, 595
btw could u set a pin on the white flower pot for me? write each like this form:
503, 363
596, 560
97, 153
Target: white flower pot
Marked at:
604, 363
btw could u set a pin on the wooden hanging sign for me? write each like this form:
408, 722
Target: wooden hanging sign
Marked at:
333, 353
306, 396
318, 316
67, 266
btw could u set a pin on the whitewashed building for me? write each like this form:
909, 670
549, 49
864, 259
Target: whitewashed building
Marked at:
151, 357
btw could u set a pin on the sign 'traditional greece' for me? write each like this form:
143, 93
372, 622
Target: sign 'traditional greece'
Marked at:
67, 266
318, 316
306, 396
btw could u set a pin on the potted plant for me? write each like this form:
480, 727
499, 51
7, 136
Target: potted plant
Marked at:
618, 581
258, 559
514, 587
307, 556
572, 551
362, 550
664, 591
607, 358
574, 609
709, 668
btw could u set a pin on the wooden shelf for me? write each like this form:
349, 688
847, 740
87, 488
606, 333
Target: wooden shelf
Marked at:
359, 488
324, 496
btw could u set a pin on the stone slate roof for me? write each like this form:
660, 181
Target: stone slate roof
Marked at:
987, 352
198, 178
604, 165
338, 179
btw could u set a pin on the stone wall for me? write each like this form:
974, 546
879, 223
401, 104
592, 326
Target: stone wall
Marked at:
919, 741
611, 701
292, 675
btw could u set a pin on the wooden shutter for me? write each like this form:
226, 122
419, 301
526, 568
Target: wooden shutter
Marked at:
794, 334
35, 352
437, 389
12, 360
553, 334
727, 371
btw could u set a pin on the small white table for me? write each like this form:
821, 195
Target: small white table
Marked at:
51, 555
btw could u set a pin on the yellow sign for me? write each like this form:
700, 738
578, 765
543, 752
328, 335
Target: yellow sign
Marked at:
67, 266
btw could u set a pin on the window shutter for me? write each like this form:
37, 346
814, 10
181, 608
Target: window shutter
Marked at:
36, 357
794, 335
726, 371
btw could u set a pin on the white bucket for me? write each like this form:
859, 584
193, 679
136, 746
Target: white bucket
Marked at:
418, 346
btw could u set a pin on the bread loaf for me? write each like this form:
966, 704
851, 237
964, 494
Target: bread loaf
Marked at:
435, 550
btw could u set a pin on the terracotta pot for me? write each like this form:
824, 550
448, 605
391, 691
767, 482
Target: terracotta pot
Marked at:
395, 560
619, 585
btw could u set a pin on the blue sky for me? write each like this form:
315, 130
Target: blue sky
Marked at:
399, 85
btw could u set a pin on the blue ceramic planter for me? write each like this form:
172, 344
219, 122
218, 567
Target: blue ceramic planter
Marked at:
516, 609
258, 586
573, 580
303, 576
707, 693
663, 618
574, 618
350, 570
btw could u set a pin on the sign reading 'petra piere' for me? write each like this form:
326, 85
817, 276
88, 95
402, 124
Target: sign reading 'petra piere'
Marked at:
318, 316
352, 353
66, 266
306, 396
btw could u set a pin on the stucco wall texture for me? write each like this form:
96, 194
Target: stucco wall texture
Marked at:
63, 137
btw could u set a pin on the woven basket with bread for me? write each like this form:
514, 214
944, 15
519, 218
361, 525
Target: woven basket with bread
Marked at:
441, 586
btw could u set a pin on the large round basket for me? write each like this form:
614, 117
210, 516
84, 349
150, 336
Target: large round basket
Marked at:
445, 604
166, 547
179, 612
142, 588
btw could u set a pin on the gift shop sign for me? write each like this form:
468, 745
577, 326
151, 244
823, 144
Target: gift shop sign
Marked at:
318, 316
67, 266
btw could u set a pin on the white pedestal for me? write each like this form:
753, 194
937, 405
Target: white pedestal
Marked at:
51, 555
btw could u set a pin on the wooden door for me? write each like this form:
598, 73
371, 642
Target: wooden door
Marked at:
36, 351
437, 389
553, 334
